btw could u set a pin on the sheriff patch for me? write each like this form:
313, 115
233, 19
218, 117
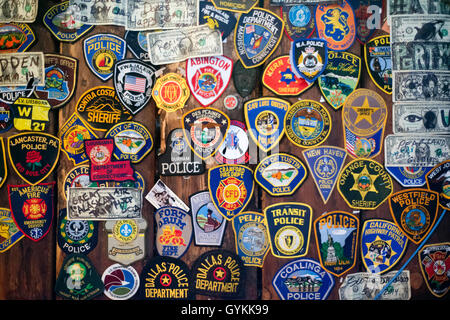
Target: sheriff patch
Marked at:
15, 37
166, 278
280, 174
76, 236
33, 155
31, 114
102, 51
251, 238
208, 77
364, 184
132, 141
303, 279
121, 283
325, 164
208, 224
337, 241
170, 92
309, 57
256, 36
234, 149
289, 226
219, 273
9, 233
265, 118
438, 180
434, 261
32, 208
231, 187
415, 212
205, 129
382, 245
174, 231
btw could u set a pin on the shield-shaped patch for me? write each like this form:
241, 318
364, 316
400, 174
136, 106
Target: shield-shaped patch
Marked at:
434, 261
244, 80
60, 80
15, 37
438, 179
32, 208
205, 129
414, 211
377, 55
231, 188
309, 57
33, 155
3, 166
367, 14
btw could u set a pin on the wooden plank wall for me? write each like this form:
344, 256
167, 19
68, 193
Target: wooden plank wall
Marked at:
28, 270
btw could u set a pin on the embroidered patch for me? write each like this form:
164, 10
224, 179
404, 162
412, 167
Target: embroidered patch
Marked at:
121, 283
235, 5
9, 232
31, 114
3, 166
171, 92
298, 20
438, 180
308, 57
78, 177
223, 20
244, 80
434, 261
234, 149
377, 55
409, 176
15, 37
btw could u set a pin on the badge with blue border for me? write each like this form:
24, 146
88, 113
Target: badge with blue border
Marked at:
280, 174
223, 20
382, 245
102, 51
251, 238
10, 94
325, 164
15, 37
337, 241
174, 231
409, 177
9, 233
335, 23
209, 225
309, 57
303, 279
132, 141
6, 117
265, 118
231, 187
234, 149
298, 20
289, 226
72, 135
61, 22
340, 78
256, 36
415, 212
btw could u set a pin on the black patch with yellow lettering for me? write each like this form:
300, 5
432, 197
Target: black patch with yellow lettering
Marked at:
166, 278
219, 273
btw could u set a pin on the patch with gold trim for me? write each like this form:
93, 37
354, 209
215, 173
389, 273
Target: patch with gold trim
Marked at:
78, 177
15, 37
377, 55
298, 20
171, 92
438, 179
9, 233
434, 261
235, 5
3, 165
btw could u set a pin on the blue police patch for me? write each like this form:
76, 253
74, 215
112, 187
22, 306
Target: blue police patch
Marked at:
298, 20
137, 44
265, 121
382, 245
309, 57
409, 176
303, 279
280, 174
325, 164
102, 51
231, 188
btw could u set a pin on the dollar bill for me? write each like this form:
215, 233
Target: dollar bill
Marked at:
415, 150
420, 55
421, 118
181, 44
421, 86
19, 68
366, 286
23, 11
161, 14
101, 12
420, 28
396, 7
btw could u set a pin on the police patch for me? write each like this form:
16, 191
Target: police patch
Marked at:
208, 77
307, 123
235, 5
32, 208
382, 245
174, 231
234, 149
251, 238
133, 82
364, 184
166, 278
33, 156
409, 176
208, 224
340, 78
137, 44
132, 141
280, 174
3, 166
205, 130
308, 57
377, 55
414, 211
303, 279
15, 37
325, 164
219, 273
121, 283
298, 20
9, 233
256, 36
231, 187
335, 23
434, 261
170, 92
265, 118
6, 117
438, 180
78, 177
289, 226
102, 52
337, 241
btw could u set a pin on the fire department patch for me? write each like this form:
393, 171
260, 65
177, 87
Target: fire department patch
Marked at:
434, 261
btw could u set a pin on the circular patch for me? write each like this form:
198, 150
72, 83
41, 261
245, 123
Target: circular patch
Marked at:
289, 240
170, 92
299, 20
125, 230
415, 220
307, 123
121, 283
230, 102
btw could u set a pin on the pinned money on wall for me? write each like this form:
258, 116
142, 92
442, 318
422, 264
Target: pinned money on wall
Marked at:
420, 55
398, 7
431, 117
24, 11
105, 12
18, 68
420, 86
407, 28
